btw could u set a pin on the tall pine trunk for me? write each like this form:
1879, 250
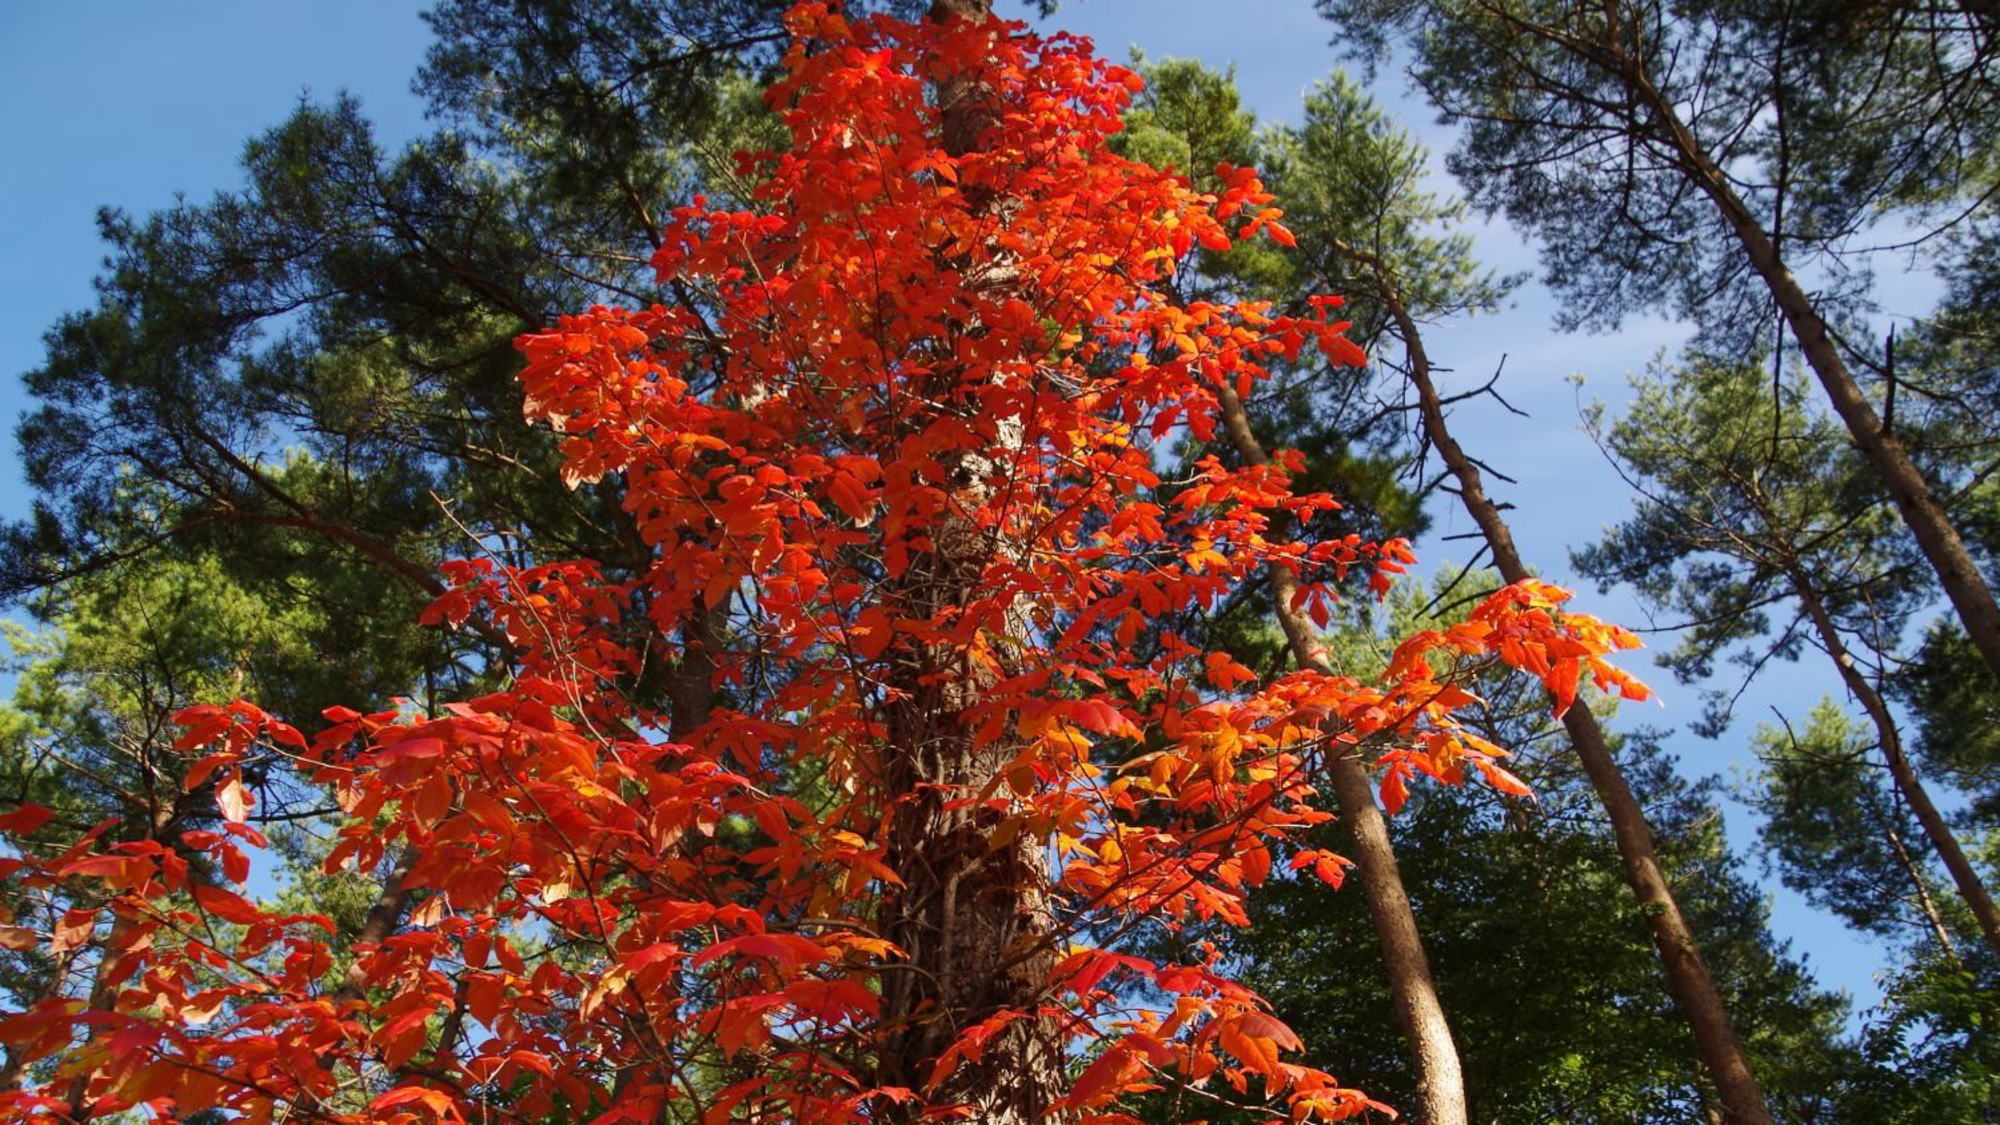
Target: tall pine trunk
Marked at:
1919, 883
1958, 574
1440, 1076
1688, 978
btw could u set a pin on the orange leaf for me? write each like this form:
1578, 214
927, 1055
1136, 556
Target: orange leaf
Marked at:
1394, 790
1502, 780
437, 1101
1106, 1076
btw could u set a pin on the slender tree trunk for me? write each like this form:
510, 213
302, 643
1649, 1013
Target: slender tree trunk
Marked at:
80, 1101
1688, 978
691, 681
161, 819
391, 903
1926, 902
383, 916
1963, 875
1931, 525
1440, 1077
971, 920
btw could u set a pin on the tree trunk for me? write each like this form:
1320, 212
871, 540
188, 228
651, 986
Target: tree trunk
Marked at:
80, 1102
1688, 979
1926, 902
973, 921
1440, 1078
161, 818
1963, 875
383, 916
1926, 518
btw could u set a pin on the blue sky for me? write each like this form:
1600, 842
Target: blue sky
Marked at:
128, 104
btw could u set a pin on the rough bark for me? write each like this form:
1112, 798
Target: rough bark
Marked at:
1688, 979
1440, 1077
691, 680
972, 920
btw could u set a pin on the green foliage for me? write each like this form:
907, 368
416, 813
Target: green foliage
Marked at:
1566, 131
1352, 186
1836, 833
281, 380
1553, 138
595, 99
1930, 1051
1834, 830
1949, 400
1351, 180
1957, 707
1189, 118
1537, 949
89, 732
125, 657
1744, 488
311, 379
1750, 497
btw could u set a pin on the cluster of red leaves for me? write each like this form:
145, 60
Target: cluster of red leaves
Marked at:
613, 911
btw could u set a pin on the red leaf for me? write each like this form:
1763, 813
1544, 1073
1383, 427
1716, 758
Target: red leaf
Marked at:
1106, 1076
787, 951
235, 865
24, 819
226, 905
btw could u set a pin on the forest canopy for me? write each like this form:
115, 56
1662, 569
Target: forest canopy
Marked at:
872, 562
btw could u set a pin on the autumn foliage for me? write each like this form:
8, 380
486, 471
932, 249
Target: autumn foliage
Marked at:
929, 615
